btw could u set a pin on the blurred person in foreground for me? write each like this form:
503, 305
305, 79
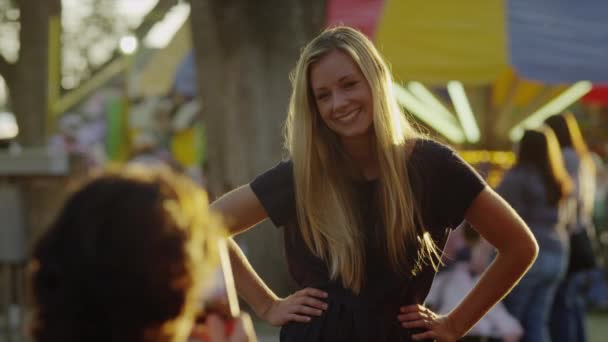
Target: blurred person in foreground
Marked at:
129, 258
367, 204
538, 188
568, 314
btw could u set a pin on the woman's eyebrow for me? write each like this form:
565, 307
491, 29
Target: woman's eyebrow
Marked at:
342, 78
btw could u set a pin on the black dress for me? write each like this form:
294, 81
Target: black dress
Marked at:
443, 185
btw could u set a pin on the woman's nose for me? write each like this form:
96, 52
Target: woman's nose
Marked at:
339, 101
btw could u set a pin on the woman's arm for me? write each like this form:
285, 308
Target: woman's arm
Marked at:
242, 210
500, 225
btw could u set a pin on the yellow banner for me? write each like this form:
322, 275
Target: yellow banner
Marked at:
438, 41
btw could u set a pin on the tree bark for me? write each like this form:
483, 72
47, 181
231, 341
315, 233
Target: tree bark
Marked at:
244, 52
28, 91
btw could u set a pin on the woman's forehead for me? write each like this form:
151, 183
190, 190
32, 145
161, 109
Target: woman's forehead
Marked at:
331, 68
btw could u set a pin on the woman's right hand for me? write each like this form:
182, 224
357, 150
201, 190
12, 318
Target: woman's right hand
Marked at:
298, 307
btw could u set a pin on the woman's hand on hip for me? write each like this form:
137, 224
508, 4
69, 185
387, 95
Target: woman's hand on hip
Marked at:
438, 327
298, 307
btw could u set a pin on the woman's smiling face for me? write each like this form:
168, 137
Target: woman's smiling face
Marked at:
342, 95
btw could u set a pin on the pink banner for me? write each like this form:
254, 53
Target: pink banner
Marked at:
361, 14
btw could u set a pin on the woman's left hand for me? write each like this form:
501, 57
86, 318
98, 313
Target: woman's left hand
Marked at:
438, 327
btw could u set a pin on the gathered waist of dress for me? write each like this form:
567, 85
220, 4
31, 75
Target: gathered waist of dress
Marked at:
381, 300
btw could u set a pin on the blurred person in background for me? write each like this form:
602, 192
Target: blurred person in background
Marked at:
67, 137
459, 276
145, 151
597, 294
568, 315
128, 259
81, 139
367, 203
538, 188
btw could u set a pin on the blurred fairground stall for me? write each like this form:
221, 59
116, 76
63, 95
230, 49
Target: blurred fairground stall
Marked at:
474, 73
478, 72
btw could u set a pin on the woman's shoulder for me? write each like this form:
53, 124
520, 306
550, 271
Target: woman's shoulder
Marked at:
424, 148
282, 168
443, 181
279, 174
274, 188
440, 163
569, 152
570, 156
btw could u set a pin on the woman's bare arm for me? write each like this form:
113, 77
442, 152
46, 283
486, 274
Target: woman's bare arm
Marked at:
242, 210
500, 225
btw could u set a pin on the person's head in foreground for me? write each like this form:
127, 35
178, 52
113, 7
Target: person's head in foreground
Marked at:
126, 259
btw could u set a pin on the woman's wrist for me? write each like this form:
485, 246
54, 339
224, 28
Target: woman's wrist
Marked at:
452, 325
263, 307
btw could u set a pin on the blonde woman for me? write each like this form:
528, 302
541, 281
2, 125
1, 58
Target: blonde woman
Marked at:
367, 204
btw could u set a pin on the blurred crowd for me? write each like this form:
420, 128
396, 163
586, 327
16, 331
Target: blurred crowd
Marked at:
560, 188
111, 128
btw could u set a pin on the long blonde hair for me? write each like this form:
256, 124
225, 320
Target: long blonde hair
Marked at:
569, 134
325, 201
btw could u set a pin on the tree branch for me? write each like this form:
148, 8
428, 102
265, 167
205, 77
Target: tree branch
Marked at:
155, 15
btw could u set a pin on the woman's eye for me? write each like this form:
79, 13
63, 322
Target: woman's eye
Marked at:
322, 96
350, 84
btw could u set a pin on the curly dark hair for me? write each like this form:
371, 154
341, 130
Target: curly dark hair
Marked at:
124, 260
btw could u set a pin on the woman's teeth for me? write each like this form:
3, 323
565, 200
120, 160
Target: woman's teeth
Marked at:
348, 116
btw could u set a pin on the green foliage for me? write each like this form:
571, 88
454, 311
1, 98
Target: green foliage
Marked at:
90, 32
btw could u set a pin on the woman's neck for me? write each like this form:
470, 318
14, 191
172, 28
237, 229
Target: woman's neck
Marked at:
362, 152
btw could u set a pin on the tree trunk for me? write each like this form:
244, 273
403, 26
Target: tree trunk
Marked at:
29, 91
244, 52
28, 84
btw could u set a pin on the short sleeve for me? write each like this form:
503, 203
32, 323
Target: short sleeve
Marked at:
275, 190
454, 184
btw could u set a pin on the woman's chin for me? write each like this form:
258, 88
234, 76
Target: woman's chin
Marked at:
354, 132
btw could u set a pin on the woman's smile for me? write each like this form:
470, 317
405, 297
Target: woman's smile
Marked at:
348, 117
